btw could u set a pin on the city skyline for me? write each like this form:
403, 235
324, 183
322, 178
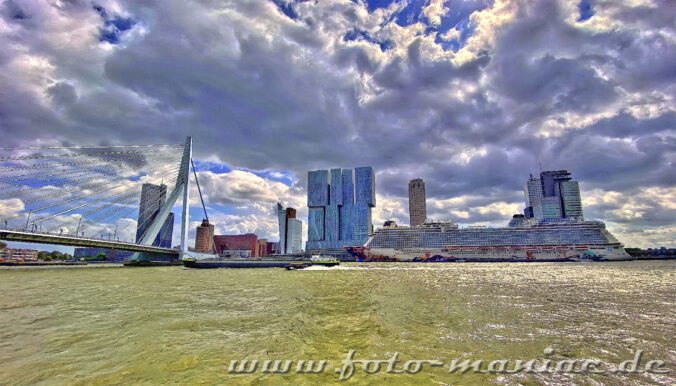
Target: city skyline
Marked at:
414, 90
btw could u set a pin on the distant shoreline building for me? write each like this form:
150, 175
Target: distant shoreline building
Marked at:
204, 237
112, 255
290, 230
18, 254
417, 205
237, 245
339, 207
152, 199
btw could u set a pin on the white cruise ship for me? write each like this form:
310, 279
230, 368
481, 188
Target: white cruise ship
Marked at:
521, 241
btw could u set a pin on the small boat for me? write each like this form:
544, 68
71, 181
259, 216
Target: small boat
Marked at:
292, 266
325, 261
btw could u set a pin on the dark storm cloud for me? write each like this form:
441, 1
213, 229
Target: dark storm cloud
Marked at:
295, 86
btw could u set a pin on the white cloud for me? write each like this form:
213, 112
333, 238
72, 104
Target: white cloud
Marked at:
266, 92
434, 11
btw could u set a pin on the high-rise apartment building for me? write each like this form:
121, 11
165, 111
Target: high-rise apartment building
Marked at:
152, 199
204, 237
339, 207
553, 196
290, 230
417, 205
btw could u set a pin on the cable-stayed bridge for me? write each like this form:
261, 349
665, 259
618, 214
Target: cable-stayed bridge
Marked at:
114, 197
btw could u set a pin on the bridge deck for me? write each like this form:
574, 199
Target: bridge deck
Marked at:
41, 238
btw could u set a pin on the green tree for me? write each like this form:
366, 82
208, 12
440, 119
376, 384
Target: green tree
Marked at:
101, 256
56, 255
2, 245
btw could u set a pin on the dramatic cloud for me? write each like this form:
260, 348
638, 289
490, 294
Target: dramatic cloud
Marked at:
471, 96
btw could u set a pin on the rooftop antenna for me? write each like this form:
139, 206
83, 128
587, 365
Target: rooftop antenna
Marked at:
540, 166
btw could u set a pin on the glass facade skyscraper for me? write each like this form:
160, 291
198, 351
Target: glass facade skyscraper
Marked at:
339, 207
290, 230
553, 196
152, 199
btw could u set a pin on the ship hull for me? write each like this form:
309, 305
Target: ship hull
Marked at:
487, 256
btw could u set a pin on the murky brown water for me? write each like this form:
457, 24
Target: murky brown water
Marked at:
174, 325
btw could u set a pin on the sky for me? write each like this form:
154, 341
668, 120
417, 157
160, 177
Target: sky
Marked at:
472, 96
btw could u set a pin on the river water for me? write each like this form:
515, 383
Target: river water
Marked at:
179, 326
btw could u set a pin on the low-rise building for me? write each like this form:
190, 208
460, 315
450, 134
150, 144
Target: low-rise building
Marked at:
16, 254
111, 255
246, 242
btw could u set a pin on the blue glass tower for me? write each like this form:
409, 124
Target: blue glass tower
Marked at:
340, 202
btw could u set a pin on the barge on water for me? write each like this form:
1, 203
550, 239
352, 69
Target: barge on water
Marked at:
274, 262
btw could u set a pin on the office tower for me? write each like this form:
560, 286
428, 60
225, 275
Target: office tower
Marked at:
417, 206
152, 199
572, 202
339, 207
290, 230
553, 196
204, 237
533, 193
294, 241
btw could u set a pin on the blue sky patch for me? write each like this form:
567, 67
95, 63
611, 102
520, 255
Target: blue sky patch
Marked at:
204, 166
412, 13
376, 4
458, 17
113, 26
286, 7
586, 10
282, 176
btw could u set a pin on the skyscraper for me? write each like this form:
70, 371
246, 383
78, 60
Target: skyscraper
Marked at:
340, 203
572, 202
204, 237
417, 205
290, 230
553, 196
152, 199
